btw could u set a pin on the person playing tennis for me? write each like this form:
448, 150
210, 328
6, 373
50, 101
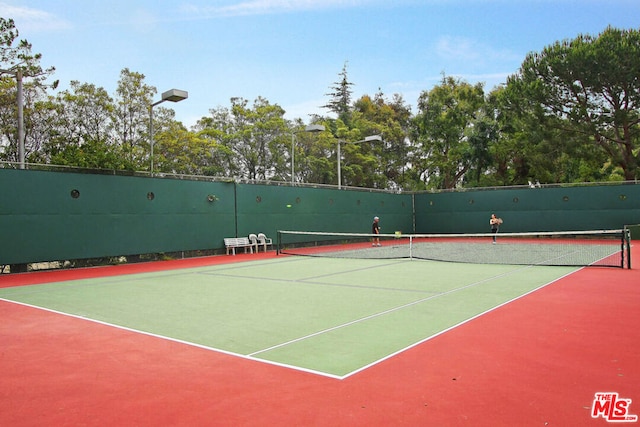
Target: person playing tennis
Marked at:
495, 225
375, 229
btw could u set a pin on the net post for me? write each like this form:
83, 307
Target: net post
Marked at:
278, 242
411, 246
626, 242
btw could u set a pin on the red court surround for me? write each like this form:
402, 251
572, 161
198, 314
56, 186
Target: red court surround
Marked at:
537, 361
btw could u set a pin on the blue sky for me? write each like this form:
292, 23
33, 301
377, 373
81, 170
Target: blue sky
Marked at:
291, 51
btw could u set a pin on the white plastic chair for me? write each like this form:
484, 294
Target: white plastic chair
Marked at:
264, 241
254, 241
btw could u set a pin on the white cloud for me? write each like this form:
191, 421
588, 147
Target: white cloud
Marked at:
32, 20
469, 51
143, 21
267, 7
457, 48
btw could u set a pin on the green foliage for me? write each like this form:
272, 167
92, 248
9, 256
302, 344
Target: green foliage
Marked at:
253, 142
131, 117
591, 86
179, 151
570, 114
91, 155
446, 117
20, 63
340, 102
380, 164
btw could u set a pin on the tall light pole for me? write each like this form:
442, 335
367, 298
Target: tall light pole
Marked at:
18, 75
310, 128
366, 139
173, 95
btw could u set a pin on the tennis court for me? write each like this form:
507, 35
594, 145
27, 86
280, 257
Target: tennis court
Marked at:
329, 316
239, 341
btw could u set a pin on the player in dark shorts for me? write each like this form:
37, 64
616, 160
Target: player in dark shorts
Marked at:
495, 225
375, 229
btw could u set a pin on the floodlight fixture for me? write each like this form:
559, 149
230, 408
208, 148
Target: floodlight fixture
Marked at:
174, 95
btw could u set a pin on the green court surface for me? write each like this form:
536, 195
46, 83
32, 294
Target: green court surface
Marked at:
332, 317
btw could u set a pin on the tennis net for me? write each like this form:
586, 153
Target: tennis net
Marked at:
610, 248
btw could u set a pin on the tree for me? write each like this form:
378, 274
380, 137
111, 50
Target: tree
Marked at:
18, 59
591, 86
179, 151
314, 152
272, 137
481, 135
217, 131
253, 141
340, 102
379, 164
131, 117
82, 132
446, 116
511, 143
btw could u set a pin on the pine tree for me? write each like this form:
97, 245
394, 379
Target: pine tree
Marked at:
340, 102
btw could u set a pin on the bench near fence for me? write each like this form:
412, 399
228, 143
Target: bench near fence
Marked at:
231, 243
253, 241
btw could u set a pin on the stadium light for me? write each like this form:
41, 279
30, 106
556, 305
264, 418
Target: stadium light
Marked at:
18, 75
310, 128
366, 139
173, 95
